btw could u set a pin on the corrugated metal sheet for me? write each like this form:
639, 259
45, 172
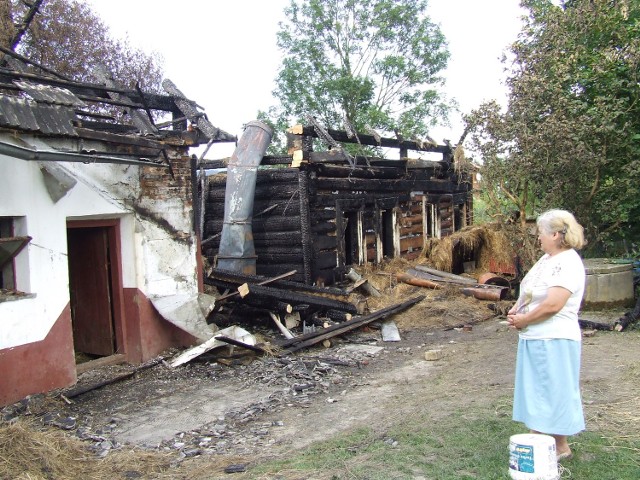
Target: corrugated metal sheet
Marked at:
28, 115
50, 94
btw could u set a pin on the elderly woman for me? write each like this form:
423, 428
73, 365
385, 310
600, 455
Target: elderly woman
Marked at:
547, 386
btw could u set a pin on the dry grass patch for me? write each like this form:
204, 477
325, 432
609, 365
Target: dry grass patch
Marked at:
29, 452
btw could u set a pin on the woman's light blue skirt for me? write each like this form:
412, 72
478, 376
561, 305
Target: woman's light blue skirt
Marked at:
547, 388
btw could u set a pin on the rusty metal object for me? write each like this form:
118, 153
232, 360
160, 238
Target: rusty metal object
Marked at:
484, 293
237, 250
418, 282
490, 278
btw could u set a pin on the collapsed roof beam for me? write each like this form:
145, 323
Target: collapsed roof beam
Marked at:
189, 109
341, 136
153, 100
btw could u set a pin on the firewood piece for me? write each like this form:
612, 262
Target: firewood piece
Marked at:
243, 290
367, 287
338, 315
285, 331
418, 282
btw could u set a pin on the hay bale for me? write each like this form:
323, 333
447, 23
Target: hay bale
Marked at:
485, 243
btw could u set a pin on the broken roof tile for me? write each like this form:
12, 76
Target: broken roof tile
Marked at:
50, 94
28, 115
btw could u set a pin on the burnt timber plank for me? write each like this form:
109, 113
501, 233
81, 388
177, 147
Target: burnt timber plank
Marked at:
324, 242
271, 223
263, 191
235, 278
341, 171
383, 185
340, 136
261, 239
270, 175
298, 298
310, 339
353, 201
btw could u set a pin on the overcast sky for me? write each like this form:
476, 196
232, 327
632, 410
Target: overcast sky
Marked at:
223, 55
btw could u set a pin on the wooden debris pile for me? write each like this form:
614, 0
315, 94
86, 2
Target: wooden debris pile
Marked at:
308, 315
323, 312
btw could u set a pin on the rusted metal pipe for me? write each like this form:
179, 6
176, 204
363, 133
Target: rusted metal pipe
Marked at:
237, 251
481, 293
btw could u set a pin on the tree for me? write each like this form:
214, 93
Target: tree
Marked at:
375, 62
68, 38
570, 136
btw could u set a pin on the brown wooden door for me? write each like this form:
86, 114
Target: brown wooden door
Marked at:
90, 290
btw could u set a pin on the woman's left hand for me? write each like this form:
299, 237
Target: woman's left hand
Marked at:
517, 321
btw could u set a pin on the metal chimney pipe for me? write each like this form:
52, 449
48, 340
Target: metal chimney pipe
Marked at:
237, 251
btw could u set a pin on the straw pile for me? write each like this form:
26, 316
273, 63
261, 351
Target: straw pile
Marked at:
485, 243
28, 452
443, 308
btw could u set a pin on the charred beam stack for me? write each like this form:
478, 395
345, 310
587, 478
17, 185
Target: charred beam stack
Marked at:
320, 212
283, 296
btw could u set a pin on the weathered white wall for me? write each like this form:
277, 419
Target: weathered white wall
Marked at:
152, 260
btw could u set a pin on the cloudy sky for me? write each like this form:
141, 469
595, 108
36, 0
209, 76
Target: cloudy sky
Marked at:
223, 55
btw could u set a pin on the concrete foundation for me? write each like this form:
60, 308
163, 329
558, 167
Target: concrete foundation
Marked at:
608, 284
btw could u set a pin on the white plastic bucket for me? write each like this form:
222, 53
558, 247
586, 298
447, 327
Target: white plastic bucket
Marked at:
532, 456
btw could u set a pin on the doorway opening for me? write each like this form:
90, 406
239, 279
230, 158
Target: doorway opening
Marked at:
95, 288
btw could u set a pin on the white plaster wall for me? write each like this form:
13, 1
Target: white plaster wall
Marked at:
152, 260
42, 268
169, 265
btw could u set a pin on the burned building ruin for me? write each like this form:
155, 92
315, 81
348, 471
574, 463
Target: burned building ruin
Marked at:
321, 212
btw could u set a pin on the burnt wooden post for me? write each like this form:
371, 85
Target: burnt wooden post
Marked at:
340, 233
305, 225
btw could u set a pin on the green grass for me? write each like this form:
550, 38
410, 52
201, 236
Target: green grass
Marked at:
466, 445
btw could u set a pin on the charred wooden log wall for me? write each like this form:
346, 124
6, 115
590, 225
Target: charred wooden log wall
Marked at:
324, 214
277, 221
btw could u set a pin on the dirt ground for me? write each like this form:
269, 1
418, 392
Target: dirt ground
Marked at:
244, 408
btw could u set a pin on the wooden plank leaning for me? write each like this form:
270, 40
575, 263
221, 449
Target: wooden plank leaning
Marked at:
310, 339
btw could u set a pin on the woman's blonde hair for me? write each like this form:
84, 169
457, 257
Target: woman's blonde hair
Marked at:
565, 223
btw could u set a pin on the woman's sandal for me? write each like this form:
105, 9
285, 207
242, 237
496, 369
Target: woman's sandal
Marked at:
564, 455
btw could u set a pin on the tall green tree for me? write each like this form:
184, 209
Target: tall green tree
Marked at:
377, 62
570, 136
67, 37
